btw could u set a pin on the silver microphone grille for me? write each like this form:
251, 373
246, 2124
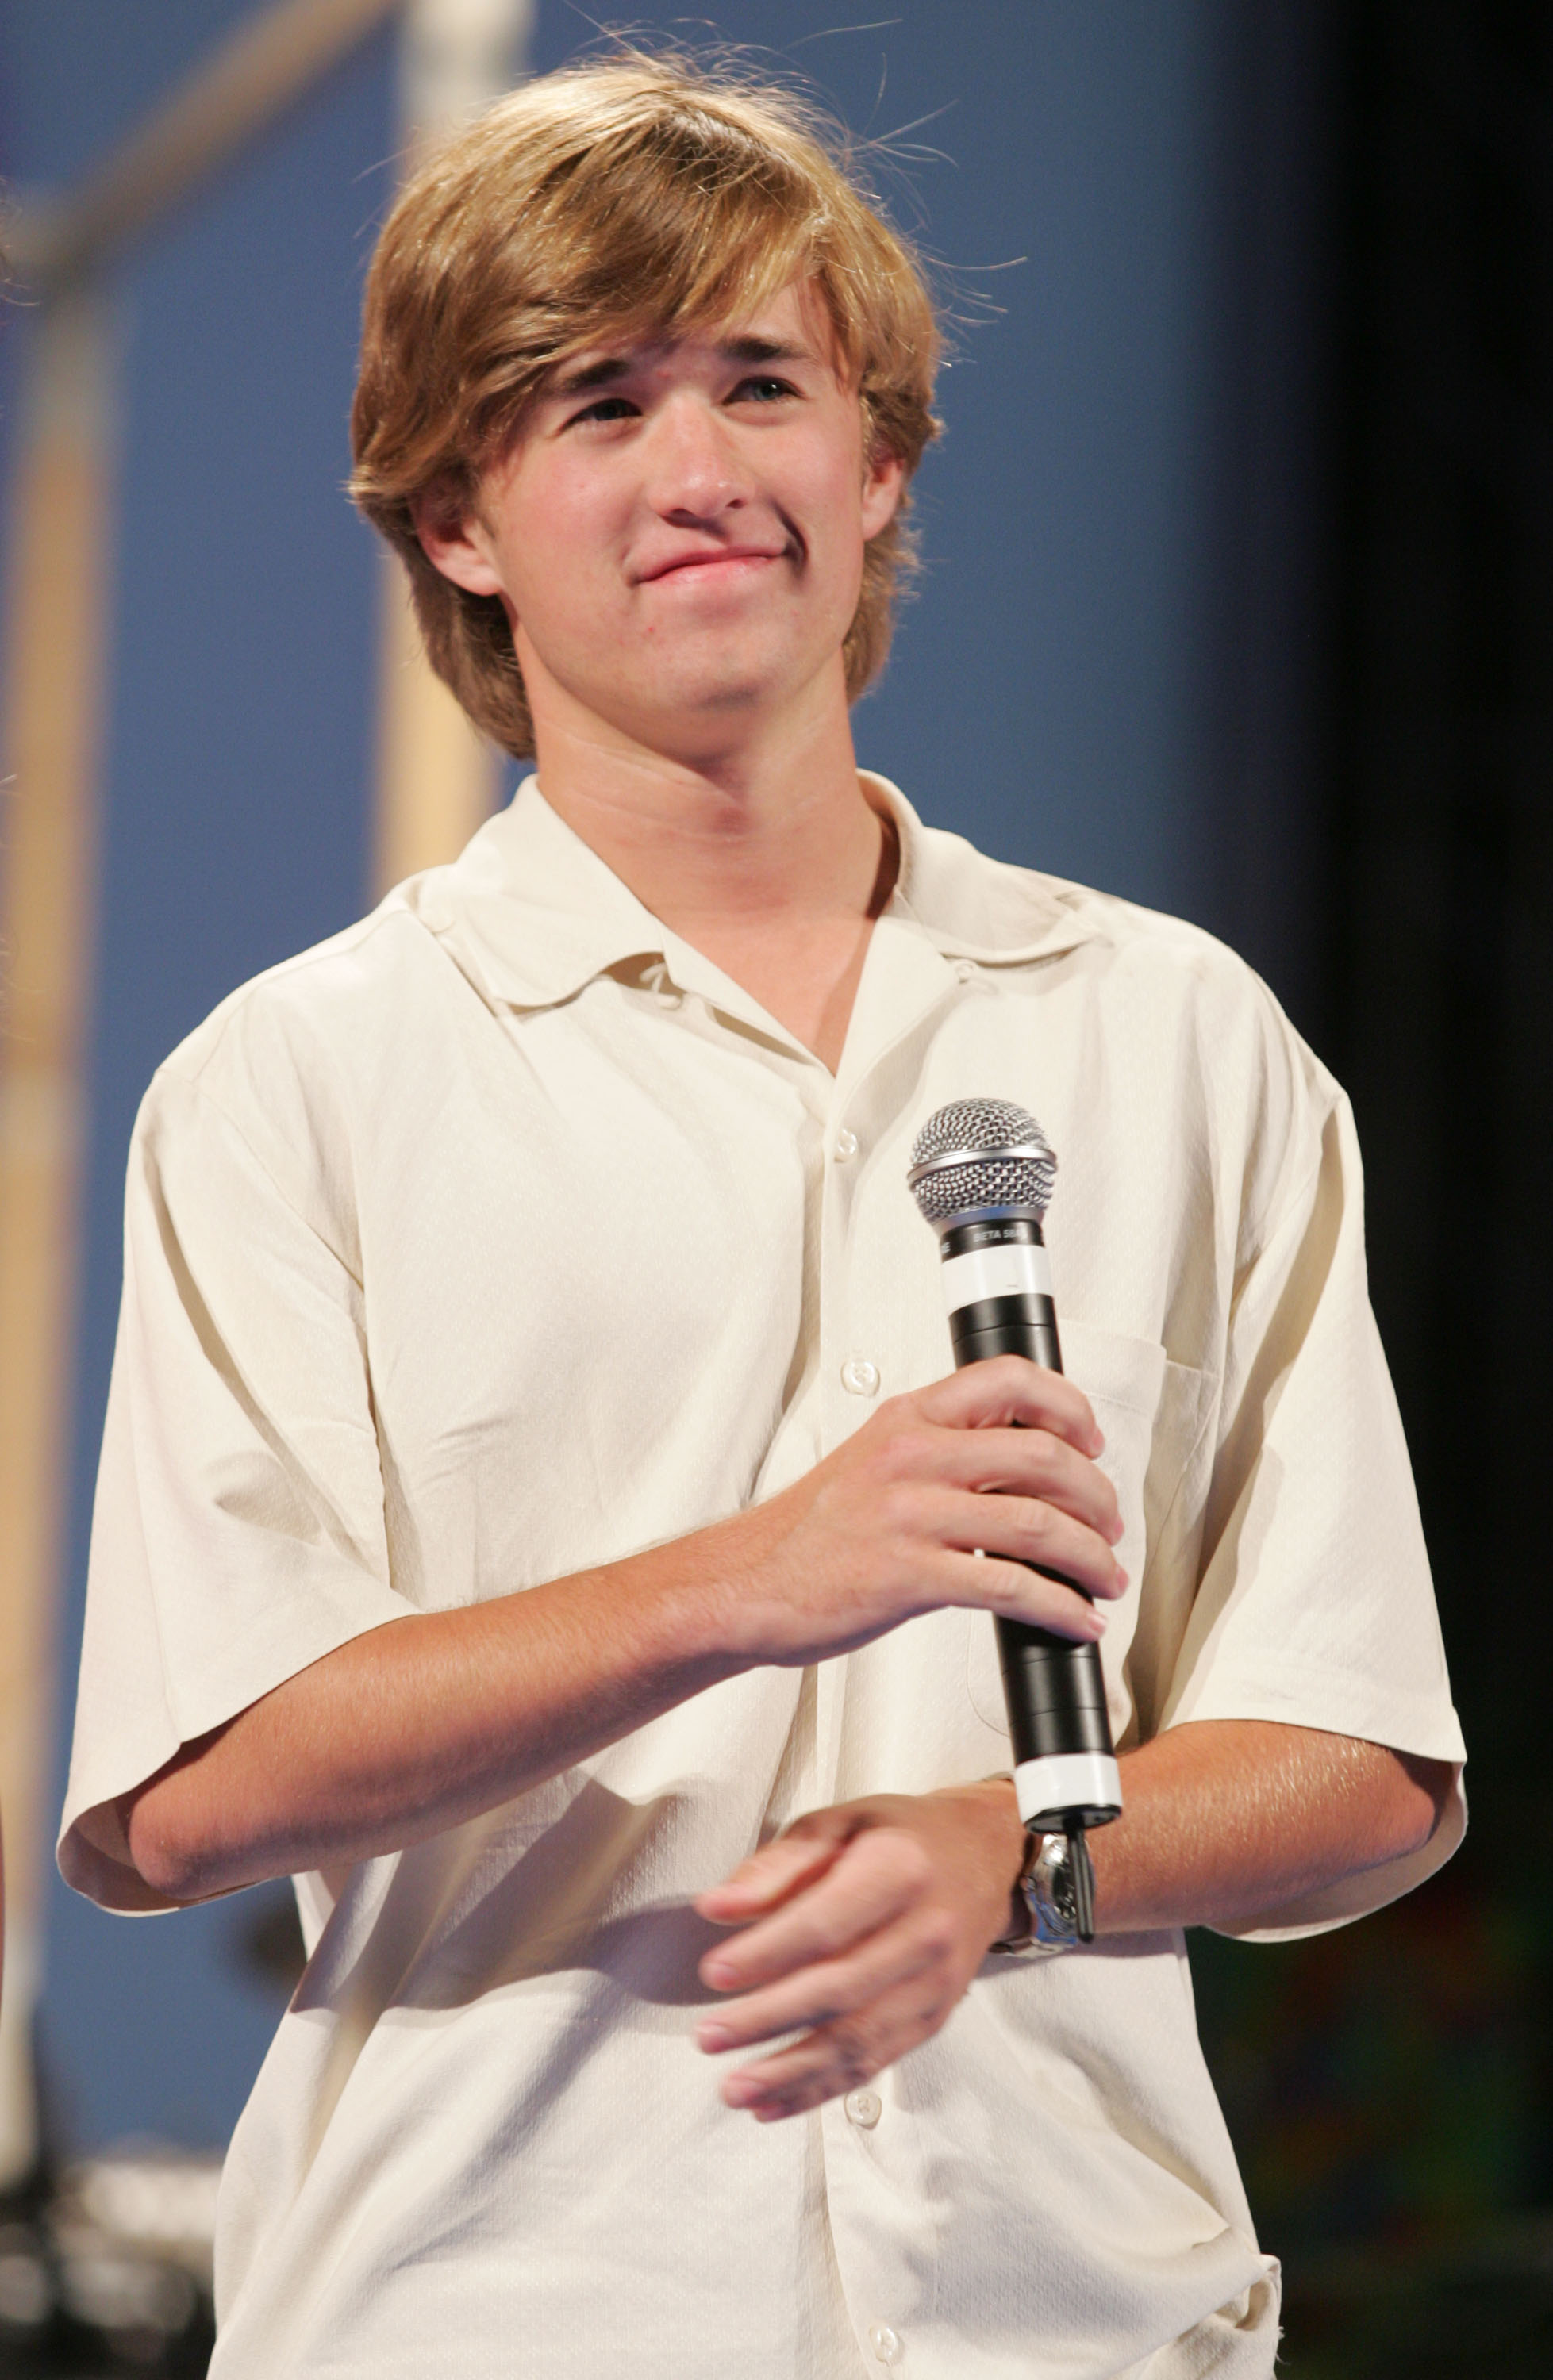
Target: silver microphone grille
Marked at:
979, 1153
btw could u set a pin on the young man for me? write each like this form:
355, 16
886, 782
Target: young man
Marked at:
533, 1510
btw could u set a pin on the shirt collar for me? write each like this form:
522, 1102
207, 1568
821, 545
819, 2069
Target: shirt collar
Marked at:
531, 914
973, 907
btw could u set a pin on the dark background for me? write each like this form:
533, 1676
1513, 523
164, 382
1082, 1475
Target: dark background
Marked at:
1388, 2087
1240, 601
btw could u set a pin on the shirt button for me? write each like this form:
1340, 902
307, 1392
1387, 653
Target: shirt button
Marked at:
887, 2343
966, 971
863, 2108
858, 1377
845, 1145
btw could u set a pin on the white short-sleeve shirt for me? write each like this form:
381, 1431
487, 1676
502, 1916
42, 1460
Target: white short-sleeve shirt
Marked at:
502, 1236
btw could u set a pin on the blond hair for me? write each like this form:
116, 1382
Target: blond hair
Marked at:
628, 196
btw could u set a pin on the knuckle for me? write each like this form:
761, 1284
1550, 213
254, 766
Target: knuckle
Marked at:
939, 1936
1004, 1585
900, 1508
898, 1447
1046, 1451
854, 2054
1037, 1525
913, 1861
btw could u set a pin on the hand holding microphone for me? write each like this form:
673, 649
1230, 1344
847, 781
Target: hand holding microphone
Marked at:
981, 1172
865, 1922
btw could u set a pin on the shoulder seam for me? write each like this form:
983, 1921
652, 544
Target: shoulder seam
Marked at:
192, 1084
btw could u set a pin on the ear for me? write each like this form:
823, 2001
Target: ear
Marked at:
881, 493
456, 540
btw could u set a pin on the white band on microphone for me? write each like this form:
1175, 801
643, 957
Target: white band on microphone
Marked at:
1014, 1269
1066, 1781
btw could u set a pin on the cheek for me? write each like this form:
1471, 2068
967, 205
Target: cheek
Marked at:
557, 530
842, 489
844, 542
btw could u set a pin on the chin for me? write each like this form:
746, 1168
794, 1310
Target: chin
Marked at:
736, 679
678, 698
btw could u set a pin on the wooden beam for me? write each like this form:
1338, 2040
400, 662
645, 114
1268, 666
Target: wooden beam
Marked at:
437, 778
53, 675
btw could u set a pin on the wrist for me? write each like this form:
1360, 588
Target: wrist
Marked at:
994, 1798
705, 1599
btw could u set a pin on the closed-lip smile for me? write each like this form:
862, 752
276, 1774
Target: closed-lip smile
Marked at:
702, 556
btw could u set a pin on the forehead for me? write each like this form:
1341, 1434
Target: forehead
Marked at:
792, 326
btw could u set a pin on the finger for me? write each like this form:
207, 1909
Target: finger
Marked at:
821, 1994
1025, 1529
1010, 1590
839, 2057
1030, 1462
1010, 1391
787, 1864
880, 1876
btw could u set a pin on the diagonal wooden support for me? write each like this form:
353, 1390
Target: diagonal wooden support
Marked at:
274, 58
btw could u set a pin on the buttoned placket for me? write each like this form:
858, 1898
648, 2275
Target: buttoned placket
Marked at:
906, 986
905, 989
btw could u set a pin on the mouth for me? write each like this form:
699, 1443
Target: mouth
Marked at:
715, 559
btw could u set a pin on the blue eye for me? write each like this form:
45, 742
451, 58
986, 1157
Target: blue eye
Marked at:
764, 387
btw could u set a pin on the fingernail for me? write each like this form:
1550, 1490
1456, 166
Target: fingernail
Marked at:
741, 2091
718, 1973
711, 2036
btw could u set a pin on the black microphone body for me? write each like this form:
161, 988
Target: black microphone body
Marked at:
982, 1173
1064, 1764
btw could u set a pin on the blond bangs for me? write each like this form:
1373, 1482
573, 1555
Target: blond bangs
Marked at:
628, 199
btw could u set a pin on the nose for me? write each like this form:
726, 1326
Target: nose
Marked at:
694, 470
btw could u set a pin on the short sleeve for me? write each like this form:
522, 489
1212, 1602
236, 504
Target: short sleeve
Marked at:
238, 1532
1315, 1606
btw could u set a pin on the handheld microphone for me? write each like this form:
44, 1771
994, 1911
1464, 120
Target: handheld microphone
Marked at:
981, 1172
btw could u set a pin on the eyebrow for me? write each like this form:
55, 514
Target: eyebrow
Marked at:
745, 349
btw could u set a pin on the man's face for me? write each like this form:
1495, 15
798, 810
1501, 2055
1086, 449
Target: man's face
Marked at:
679, 532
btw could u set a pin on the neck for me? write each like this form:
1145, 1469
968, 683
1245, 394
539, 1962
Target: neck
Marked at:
764, 853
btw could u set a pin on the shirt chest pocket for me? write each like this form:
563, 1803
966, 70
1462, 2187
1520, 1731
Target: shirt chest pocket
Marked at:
1147, 1408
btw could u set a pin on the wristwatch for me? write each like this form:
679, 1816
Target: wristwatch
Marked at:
1045, 1886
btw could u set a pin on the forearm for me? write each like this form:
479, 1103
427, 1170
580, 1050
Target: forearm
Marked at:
429, 1720
1225, 1818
